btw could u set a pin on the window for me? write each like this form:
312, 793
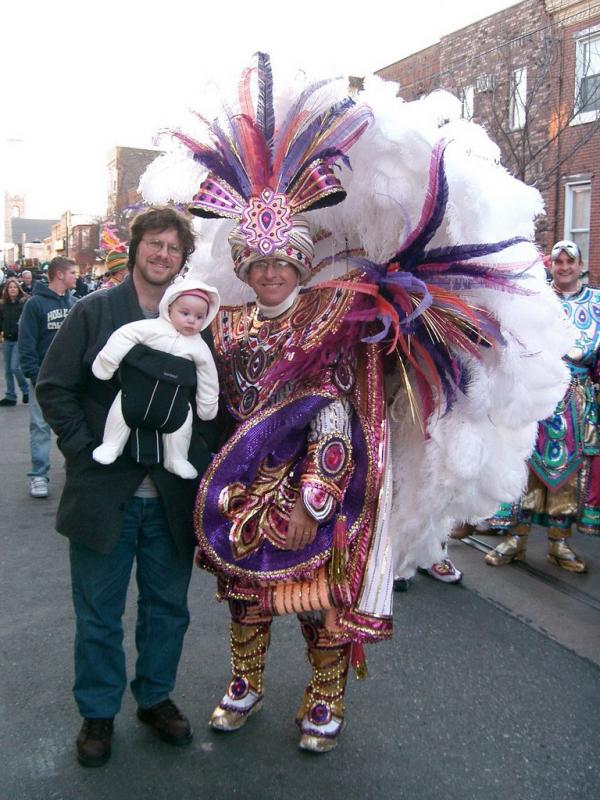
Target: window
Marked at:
518, 99
587, 76
467, 102
578, 198
485, 83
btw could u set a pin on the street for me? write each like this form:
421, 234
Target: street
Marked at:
488, 691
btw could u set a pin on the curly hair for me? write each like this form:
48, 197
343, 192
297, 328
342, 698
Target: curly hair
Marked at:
160, 218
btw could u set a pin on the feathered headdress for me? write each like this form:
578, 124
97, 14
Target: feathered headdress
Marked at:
263, 174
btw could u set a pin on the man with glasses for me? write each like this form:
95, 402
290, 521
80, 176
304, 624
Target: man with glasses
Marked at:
117, 513
564, 469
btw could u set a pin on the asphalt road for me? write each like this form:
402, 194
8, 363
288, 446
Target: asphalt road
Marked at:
488, 691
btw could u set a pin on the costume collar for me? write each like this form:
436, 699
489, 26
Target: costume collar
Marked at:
270, 312
568, 295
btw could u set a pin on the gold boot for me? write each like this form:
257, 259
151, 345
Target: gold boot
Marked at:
512, 548
249, 645
321, 713
560, 553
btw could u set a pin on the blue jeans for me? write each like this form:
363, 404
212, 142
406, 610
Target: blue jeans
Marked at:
40, 439
12, 370
99, 583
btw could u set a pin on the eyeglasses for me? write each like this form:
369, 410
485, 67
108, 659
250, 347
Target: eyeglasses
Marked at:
155, 246
570, 248
277, 264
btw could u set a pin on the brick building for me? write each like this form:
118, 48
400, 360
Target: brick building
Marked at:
125, 167
530, 74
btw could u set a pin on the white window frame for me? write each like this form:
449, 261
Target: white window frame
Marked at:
581, 39
467, 102
568, 229
517, 107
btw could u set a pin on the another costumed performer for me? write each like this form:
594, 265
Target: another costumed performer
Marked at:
564, 470
294, 513
162, 349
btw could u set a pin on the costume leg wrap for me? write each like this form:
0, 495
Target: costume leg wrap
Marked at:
249, 645
324, 695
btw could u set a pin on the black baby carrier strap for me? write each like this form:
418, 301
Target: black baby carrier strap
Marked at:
156, 389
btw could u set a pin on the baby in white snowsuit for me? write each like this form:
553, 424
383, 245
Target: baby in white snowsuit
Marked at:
187, 307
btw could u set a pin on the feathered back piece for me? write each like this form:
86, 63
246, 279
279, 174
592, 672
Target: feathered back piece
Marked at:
414, 303
263, 174
415, 299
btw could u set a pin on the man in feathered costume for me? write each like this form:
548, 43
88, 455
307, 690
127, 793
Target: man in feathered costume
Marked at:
297, 513
564, 469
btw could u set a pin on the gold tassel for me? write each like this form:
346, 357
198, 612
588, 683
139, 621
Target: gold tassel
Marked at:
339, 553
359, 661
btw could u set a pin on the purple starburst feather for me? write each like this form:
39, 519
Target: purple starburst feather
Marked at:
265, 113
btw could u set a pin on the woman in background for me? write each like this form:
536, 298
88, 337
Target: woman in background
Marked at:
11, 306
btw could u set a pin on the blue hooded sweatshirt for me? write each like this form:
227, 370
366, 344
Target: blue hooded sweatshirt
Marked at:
42, 316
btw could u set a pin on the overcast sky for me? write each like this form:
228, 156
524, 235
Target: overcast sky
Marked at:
78, 78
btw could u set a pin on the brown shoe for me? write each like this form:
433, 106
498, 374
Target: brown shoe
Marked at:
168, 720
93, 742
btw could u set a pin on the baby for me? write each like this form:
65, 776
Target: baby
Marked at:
187, 307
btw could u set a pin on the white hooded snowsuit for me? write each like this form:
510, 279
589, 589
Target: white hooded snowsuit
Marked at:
161, 335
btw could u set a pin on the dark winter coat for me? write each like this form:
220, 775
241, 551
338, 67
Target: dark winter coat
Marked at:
76, 404
10, 313
42, 317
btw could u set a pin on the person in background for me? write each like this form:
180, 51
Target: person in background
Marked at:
116, 269
11, 306
27, 281
40, 321
564, 469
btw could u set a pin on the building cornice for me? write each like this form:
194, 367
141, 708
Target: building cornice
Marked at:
572, 11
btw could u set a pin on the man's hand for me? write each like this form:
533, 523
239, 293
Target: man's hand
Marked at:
302, 528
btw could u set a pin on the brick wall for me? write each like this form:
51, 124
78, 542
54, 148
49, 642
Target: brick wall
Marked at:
128, 164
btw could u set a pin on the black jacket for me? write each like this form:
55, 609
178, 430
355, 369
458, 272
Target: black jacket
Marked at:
42, 317
75, 404
9, 318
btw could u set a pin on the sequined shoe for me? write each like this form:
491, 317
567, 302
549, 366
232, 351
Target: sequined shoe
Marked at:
320, 729
510, 549
560, 553
443, 571
239, 703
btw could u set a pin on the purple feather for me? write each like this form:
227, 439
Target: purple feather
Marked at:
464, 252
265, 113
